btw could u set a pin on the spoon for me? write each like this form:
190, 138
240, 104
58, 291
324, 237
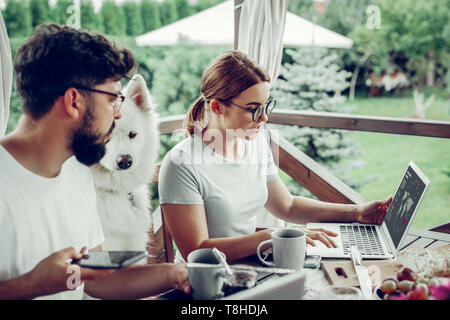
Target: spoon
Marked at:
221, 258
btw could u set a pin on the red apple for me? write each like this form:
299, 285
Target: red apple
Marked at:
406, 273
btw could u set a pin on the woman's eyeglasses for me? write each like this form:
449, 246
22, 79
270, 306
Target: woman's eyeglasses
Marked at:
258, 111
120, 98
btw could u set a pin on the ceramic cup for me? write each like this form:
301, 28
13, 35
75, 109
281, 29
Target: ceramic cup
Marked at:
288, 247
206, 274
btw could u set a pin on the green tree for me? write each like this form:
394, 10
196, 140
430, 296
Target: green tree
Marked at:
113, 18
40, 12
412, 28
343, 16
17, 18
89, 19
59, 12
168, 12
314, 81
184, 9
177, 81
150, 15
133, 18
202, 5
303, 8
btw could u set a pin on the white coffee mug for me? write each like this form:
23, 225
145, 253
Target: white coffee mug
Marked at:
288, 247
206, 274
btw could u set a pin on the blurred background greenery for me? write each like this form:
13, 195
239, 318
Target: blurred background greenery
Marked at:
389, 61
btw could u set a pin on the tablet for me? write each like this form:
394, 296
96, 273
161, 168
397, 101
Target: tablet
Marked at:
110, 259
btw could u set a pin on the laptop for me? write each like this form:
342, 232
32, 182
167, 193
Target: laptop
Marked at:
378, 241
274, 287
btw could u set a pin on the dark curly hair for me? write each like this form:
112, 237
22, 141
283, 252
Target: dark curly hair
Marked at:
58, 57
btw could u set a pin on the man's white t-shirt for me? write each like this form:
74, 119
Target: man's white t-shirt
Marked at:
233, 192
39, 216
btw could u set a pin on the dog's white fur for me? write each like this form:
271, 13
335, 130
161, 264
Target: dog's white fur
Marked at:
123, 195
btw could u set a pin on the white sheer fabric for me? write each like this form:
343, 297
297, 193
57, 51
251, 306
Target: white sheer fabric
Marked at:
6, 75
261, 29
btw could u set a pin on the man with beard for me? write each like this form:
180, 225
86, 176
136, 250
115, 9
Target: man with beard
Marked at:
68, 81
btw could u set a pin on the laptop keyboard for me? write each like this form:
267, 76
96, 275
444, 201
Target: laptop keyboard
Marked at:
365, 238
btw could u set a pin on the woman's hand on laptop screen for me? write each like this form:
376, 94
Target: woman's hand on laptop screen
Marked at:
373, 212
320, 234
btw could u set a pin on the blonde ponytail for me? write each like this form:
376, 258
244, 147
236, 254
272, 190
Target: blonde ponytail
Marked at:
195, 118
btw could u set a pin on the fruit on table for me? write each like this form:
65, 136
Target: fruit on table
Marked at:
419, 293
406, 273
406, 286
389, 285
395, 295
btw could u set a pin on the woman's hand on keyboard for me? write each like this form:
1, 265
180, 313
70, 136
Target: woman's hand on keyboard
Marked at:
320, 234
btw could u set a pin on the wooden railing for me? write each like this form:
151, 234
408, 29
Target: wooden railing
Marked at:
303, 169
308, 173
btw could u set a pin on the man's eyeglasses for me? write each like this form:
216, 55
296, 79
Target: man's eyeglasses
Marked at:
258, 111
120, 98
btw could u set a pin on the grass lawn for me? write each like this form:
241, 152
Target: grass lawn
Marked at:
387, 155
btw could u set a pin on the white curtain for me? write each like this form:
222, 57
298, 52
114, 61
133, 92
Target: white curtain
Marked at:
261, 30
6, 75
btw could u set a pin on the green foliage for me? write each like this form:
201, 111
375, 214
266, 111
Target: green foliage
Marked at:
133, 18
177, 81
59, 13
113, 18
40, 12
178, 77
150, 15
168, 12
89, 19
17, 18
184, 9
342, 16
303, 8
415, 29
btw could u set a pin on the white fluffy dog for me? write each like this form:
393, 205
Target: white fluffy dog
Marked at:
123, 175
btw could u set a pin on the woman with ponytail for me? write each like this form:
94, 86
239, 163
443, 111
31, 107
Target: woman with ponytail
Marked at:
213, 183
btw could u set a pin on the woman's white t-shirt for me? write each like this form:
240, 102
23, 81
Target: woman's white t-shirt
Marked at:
233, 192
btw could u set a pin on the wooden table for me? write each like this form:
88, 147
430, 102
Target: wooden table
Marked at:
315, 278
436, 237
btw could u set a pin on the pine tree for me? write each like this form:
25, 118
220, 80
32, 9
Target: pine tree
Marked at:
40, 12
314, 82
133, 18
150, 15
89, 19
59, 12
168, 12
184, 9
113, 19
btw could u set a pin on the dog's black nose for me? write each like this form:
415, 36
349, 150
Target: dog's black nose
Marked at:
124, 161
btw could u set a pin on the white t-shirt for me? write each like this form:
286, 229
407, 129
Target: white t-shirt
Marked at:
39, 216
233, 192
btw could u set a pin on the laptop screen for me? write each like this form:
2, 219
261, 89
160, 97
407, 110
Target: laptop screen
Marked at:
404, 204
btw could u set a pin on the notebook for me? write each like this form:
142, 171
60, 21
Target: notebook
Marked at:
378, 241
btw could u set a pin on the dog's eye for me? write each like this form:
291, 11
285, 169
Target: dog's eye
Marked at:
132, 134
